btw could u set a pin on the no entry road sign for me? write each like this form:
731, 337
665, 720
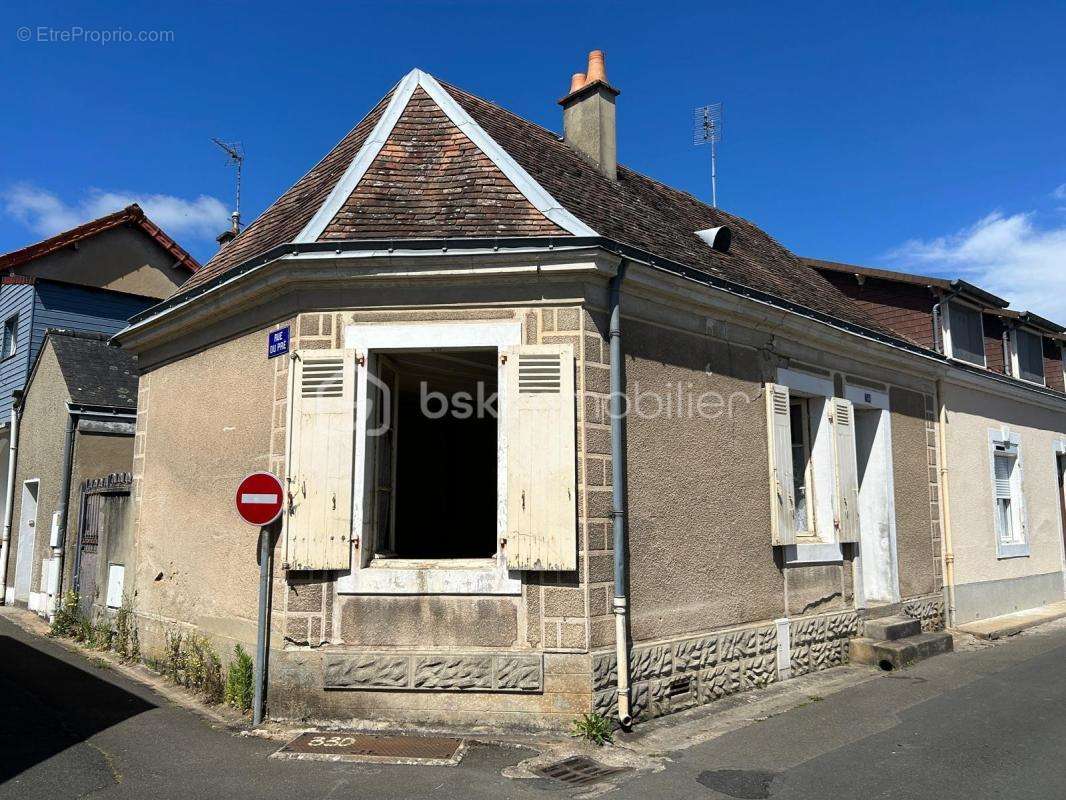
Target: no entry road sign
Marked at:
260, 497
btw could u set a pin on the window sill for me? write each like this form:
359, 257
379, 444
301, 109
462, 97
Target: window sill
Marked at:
813, 553
483, 576
967, 362
1005, 551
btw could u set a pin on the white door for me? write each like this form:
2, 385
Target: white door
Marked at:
876, 569
27, 535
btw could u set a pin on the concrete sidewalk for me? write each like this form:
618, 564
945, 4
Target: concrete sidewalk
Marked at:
1010, 624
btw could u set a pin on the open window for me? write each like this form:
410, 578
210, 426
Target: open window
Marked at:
432, 454
1009, 503
464, 454
966, 336
813, 473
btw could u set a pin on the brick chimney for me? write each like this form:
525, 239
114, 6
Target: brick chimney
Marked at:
588, 116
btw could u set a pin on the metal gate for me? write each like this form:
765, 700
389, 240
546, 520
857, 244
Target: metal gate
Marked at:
103, 511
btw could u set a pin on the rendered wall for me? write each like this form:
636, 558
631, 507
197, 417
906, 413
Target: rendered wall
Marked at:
203, 423
123, 259
42, 433
987, 585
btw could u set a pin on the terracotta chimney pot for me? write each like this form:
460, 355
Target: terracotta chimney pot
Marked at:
597, 71
577, 81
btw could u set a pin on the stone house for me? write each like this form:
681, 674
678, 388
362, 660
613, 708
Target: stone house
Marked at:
772, 483
1002, 413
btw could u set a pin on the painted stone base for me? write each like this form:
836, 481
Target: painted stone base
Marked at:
675, 675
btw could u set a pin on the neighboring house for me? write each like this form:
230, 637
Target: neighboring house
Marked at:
91, 278
773, 485
1002, 412
76, 423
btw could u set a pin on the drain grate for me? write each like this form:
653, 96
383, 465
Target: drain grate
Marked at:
578, 771
354, 746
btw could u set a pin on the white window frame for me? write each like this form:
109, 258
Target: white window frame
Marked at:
945, 325
488, 576
819, 550
1015, 361
1019, 548
14, 318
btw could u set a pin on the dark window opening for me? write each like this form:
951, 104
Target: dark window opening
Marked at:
435, 466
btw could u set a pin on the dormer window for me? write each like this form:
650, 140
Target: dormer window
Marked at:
965, 339
1028, 356
10, 341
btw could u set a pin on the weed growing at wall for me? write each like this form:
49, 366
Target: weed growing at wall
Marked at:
125, 641
239, 681
68, 620
97, 633
595, 728
190, 661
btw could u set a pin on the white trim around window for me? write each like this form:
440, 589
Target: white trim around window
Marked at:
441, 576
814, 552
1009, 521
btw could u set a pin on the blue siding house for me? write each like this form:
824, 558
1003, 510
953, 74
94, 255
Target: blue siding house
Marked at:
92, 278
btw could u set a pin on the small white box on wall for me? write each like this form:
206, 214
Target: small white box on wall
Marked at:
116, 574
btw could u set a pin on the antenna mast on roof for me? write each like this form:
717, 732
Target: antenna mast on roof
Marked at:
708, 129
235, 151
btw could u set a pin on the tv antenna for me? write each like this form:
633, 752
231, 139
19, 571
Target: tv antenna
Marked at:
235, 151
707, 129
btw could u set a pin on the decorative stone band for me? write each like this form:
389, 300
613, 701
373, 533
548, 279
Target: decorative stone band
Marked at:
451, 672
675, 675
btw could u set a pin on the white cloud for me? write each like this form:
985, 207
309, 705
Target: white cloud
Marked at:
1009, 256
1060, 192
46, 214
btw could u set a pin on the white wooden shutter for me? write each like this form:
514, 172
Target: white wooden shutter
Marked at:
318, 519
540, 430
779, 446
846, 471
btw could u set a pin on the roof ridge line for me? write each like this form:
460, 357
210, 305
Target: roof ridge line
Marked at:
533, 192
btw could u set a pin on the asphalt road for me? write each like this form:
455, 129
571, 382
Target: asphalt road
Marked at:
979, 724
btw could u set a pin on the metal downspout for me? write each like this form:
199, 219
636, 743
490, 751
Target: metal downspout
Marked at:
9, 501
61, 511
618, 475
945, 503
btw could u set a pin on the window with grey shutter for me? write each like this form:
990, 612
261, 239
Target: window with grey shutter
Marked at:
967, 334
1030, 356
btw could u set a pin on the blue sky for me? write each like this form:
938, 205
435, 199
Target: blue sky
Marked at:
921, 136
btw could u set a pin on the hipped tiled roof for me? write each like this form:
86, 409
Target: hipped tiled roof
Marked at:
431, 181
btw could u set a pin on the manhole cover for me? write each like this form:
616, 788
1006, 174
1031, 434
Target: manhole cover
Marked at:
578, 771
352, 746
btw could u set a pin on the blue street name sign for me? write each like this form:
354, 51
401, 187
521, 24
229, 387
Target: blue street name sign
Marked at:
278, 342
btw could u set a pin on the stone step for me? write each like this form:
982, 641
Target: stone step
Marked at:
890, 654
892, 628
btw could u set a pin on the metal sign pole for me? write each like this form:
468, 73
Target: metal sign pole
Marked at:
266, 572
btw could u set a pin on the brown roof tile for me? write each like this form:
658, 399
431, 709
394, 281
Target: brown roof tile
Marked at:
649, 215
431, 181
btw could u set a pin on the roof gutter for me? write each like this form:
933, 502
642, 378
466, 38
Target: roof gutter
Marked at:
479, 245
